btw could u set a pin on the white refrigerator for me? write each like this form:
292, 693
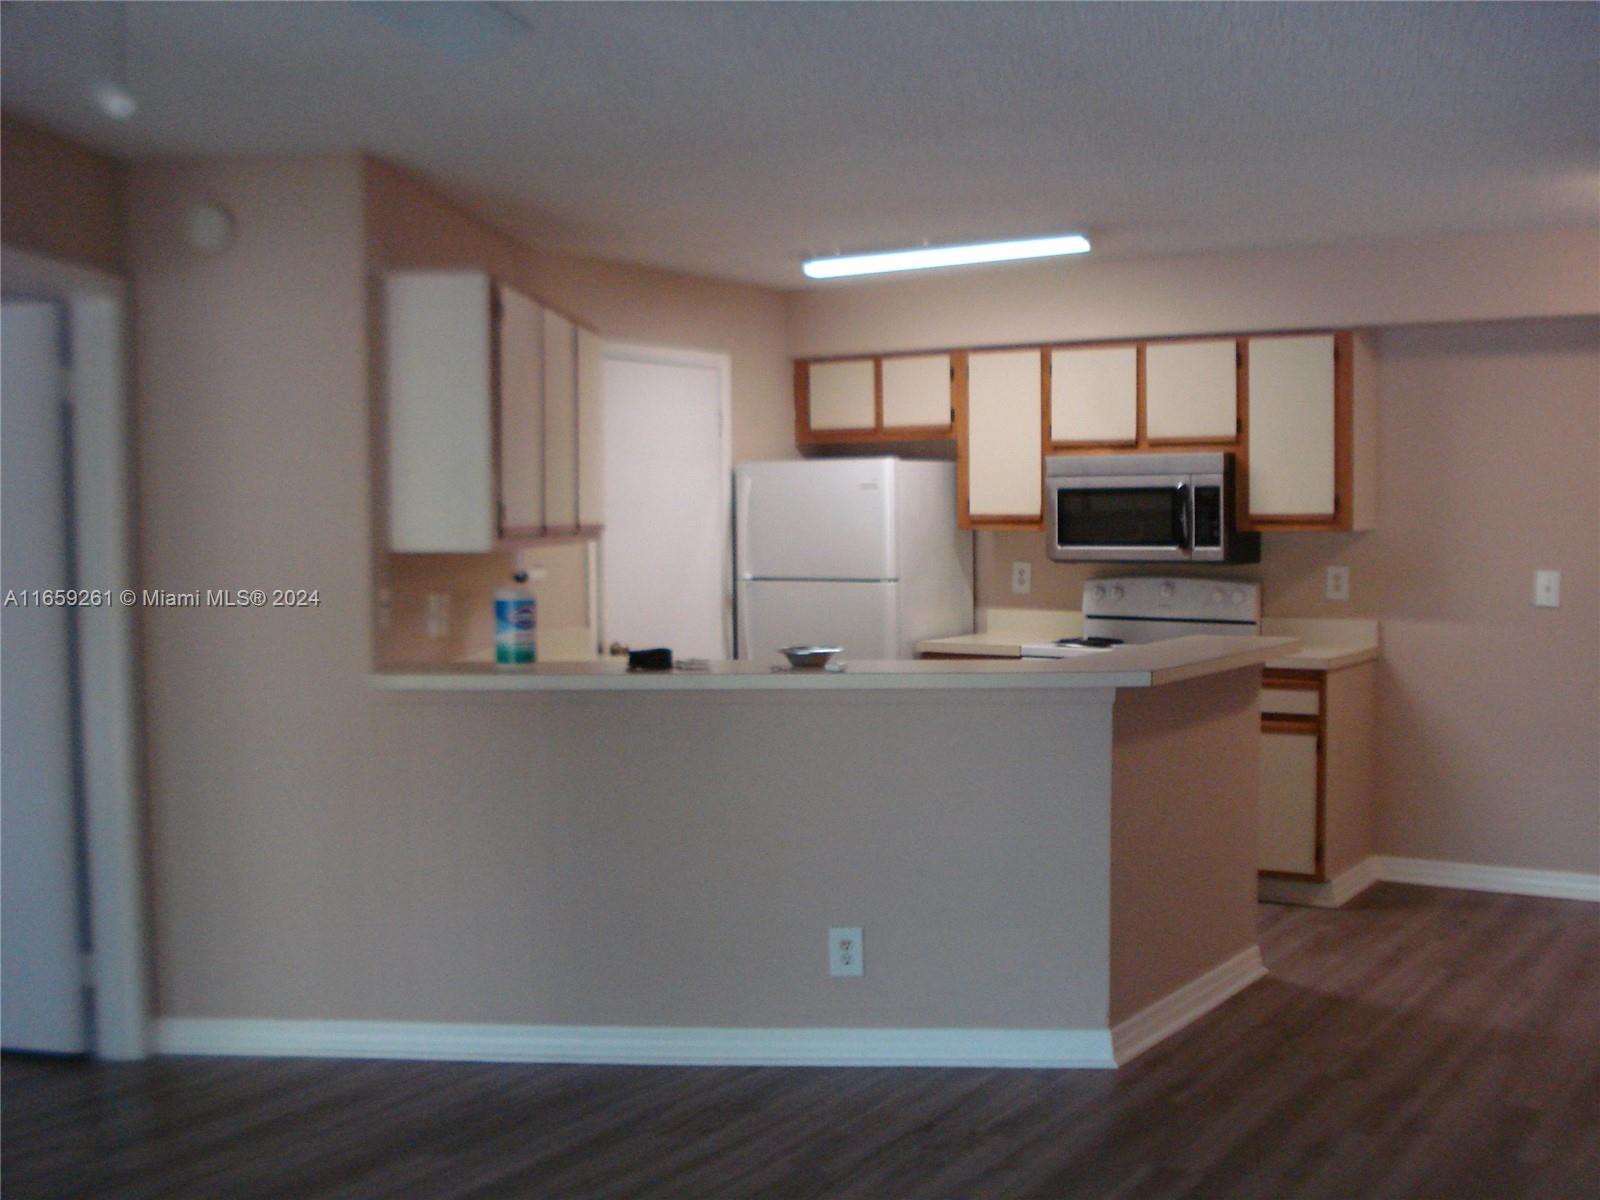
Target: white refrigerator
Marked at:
861, 553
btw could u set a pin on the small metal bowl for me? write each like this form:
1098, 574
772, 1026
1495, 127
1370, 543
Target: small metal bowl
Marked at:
809, 656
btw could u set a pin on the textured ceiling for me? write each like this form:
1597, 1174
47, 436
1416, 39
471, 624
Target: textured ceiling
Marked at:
732, 140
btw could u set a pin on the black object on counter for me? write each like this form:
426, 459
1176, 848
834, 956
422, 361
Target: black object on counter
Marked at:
650, 660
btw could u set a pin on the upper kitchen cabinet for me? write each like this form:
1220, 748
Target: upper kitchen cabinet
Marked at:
1310, 442
488, 414
916, 393
521, 393
1192, 392
591, 431
1094, 396
560, 424
841, 395
999, 439
892, 398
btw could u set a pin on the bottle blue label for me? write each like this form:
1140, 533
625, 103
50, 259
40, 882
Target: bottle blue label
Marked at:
514, 631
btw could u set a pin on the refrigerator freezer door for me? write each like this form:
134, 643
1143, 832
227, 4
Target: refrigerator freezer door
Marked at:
858, 617
818, 519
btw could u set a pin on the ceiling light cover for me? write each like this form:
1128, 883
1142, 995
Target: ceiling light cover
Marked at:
925, 257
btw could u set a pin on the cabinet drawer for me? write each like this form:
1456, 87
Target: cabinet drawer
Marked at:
1295, 702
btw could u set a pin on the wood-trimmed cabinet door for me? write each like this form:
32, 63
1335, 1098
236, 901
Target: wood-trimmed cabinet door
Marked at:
1094, 396
1310, 432
841, 396
1191, 392
1000, 439
916, 393
1291, 798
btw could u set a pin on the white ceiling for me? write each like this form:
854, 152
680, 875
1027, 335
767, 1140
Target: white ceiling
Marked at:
732, 140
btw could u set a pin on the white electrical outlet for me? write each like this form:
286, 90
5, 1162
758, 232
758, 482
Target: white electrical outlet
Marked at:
437, 619
1021, 577
1338, 583
844, 951
1547, 589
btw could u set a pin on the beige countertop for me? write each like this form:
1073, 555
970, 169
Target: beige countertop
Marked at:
1325, 645
1132, 666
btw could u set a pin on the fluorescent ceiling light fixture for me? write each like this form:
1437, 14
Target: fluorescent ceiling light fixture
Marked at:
943, 256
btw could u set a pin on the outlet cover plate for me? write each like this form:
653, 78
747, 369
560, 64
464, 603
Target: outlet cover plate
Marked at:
844, 951
1021, 577
1547, 589
1338, 583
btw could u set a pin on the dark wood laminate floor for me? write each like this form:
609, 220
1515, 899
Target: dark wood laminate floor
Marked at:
1420, 1043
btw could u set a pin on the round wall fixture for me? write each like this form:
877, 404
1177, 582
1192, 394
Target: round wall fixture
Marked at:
208, 227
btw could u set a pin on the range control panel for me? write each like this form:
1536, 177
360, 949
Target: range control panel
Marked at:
1173, 598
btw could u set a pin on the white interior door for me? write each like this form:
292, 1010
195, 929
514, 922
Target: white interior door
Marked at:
41, 984
665, 571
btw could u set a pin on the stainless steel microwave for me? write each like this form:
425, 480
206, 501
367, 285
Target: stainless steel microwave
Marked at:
1145, 508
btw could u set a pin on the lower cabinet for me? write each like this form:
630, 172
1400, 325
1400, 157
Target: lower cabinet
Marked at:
1316, 810
1291, 795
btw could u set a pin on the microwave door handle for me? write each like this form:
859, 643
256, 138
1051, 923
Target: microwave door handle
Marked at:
1185, 541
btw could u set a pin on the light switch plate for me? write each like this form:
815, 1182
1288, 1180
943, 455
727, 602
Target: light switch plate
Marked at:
1021, 577
1338, 583
1547, 589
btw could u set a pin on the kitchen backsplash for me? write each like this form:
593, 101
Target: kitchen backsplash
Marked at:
1291, 573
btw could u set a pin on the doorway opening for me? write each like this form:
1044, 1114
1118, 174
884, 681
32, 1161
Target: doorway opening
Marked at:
666, 556
74, 970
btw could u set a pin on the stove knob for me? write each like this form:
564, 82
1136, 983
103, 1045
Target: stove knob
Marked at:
1116, 592
1097, 591
1236, 596
1216, 595
1168, 589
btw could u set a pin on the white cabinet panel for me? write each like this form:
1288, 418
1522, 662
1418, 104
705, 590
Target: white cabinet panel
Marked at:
1291, 401
521, 413
1094, 394
591, 430
438, 433
842, 395
1004, 434
916, 391
1287, 830
1191, 390
560, 423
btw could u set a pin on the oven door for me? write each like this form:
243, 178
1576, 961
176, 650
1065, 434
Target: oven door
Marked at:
1115, 518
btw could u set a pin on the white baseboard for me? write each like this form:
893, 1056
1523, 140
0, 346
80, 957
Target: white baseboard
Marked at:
1521, 881
1189, 1003
1336, 893
637, 1045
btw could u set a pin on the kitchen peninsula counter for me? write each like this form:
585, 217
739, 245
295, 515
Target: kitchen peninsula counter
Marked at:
1053, 863
1132, 666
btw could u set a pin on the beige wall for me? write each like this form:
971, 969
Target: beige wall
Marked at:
1473, 278
412, 224
409, 224
1489, 717
1183, 834
61, 199
1489, 382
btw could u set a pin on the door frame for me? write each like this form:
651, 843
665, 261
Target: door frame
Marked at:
722, 365
95, 307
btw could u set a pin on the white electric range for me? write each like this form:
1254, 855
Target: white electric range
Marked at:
1152, 608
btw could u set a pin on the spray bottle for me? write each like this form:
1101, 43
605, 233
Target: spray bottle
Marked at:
516, 619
